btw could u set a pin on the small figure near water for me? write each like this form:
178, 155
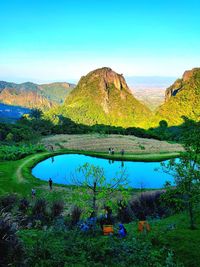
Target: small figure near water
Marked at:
84, 227
109, 150
143, 225
33, 193
122, 152
122, 231
107, 218
112, 151
50, 183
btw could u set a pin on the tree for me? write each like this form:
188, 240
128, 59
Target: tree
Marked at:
163, 124
36, 114
94, 185
186, 173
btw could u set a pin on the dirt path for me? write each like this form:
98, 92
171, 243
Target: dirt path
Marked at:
18, 172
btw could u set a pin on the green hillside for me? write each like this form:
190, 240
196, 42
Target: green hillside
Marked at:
181, 99
103, 97
56, 92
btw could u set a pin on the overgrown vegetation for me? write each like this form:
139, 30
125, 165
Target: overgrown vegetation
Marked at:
48, 237
18, 151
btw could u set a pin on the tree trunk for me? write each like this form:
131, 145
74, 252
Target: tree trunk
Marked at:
94, 198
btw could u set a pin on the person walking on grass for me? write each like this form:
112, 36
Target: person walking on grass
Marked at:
33, 192
50, 183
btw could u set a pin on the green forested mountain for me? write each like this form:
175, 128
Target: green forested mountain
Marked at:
103, 97
32, 95
181, 99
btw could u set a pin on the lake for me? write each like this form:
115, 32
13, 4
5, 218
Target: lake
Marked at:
62, 169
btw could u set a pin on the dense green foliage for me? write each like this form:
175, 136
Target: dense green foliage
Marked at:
13, 152
73, 248
48, 239
16, 133
186, 174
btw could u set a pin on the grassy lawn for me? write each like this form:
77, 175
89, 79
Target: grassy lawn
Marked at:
173, 233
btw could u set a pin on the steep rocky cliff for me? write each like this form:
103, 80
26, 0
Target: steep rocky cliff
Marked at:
182, 99
103, 97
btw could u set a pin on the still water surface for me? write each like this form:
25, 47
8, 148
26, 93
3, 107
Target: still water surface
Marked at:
62, 168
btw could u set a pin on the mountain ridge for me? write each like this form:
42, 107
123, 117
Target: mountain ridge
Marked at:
182, 98
32, 95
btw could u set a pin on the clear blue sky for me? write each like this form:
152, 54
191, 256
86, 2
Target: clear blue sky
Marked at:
46, 40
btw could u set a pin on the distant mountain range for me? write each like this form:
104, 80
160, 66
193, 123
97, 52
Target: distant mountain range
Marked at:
149, 82
103, 97
150, 89
33, 95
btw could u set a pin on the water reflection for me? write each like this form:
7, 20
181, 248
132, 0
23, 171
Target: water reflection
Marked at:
140, 174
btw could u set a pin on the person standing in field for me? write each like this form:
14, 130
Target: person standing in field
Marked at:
33, 192
50, 183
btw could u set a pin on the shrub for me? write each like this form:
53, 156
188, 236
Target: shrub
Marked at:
39, 209
148, 204
124, 212
75, 215
7, 202
23, 205
57, 208
11, 248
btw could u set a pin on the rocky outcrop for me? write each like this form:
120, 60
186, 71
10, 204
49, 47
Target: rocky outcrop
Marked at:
182, 99
173, 90
103, 97
28, 99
